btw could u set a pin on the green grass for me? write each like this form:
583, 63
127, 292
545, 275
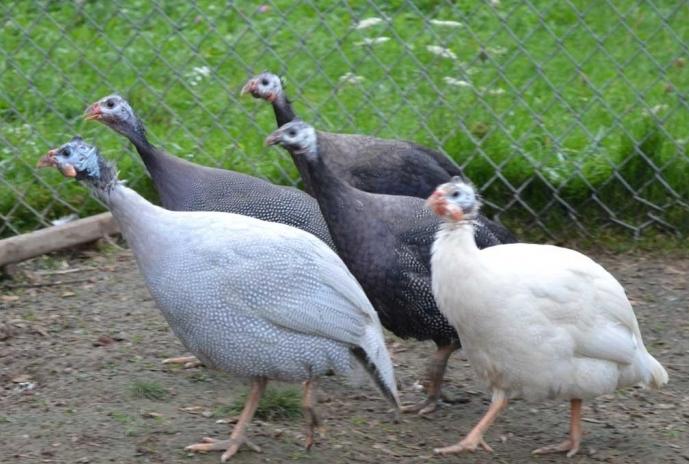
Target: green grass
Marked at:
620, 106
144, 389
276, 403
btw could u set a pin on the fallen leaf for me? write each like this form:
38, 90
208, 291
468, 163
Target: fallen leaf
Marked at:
67, 294
9, 298
104, 340
21, 378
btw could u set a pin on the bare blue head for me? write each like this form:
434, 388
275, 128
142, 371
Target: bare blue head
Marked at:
455, 201
81, 161
296, 137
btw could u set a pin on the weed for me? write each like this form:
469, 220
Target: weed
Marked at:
144, 389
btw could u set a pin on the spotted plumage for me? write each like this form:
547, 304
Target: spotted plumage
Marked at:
371, 164
185, 186
385, 240
254, 298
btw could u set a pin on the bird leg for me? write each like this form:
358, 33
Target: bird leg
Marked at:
433, 384
238, 435
475, 438
309, 405
571, 445
187, 361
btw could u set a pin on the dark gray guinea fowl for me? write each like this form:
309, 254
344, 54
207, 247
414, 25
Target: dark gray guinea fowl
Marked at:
185, 186
371, 164
385, 240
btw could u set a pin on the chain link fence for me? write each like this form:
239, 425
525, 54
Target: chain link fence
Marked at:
567, 114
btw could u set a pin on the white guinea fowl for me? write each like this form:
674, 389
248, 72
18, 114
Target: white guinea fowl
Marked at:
536, 321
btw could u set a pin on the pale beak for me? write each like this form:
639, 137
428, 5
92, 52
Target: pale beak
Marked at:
47, 160
249, 87
272, 139
93, 112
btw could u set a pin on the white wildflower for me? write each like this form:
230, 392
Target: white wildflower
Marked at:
441, 51
456, 82
204, 71
373, 41
351, 78
368, 22
496, 50
198, 73
498, 91
440, 22
655, 110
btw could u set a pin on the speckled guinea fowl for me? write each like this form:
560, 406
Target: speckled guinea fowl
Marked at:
253, 298
185, 186
385, 240
376, 165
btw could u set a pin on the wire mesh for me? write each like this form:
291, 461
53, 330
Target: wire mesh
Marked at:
565, 114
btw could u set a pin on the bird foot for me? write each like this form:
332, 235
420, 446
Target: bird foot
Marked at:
310, 436
187, 361
230, 446
423, 408
470, 443
569, 446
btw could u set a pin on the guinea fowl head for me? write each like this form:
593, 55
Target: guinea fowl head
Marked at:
266, 86
116, 113
296, 137
79, 160
455, 201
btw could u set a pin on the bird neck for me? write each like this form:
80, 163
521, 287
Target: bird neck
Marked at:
283, 110
319, 177
459, 236
150, 154
103, 181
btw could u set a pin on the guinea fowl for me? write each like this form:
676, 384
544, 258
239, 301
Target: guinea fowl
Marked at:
185, 186
385, 241
254, 298
371, 164
536, 321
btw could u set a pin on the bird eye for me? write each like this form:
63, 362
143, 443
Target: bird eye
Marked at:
292, 133
65, 152
264, 81
110, 103
455, 194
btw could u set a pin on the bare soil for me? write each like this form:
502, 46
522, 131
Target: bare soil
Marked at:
79, 331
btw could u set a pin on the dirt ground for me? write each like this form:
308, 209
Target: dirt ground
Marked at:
78, 331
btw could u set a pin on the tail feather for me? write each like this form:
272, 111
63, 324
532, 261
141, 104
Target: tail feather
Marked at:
375, 359
659, 375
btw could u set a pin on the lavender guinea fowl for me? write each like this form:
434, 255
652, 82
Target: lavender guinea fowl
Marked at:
536, 321
385, 241
371, 164
257, 299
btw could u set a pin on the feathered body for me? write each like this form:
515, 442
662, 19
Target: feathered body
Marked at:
250, 297
371, 164
186, 186
539, 321
385, 240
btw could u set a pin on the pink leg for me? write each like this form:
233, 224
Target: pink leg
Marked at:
475, 438
309, 404
571, 445
238, 436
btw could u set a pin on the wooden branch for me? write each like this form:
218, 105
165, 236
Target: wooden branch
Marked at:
22, 247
